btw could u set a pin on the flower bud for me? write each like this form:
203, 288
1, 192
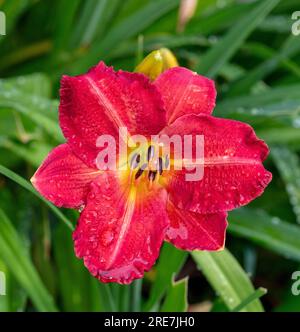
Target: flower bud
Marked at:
156, 63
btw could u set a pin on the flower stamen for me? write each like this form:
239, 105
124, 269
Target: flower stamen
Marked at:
160, 166
150, 153
135, 160
152, 175
140, 171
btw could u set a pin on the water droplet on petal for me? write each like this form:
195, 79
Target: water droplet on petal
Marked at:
107, 237
81, 208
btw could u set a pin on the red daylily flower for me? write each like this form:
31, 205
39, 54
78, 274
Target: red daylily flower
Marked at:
124, 220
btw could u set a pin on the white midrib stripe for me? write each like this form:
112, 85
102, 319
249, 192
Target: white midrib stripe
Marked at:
126, 221
110, 111
221, 161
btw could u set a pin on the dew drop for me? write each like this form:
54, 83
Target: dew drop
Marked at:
296, 123
275, 221
107, 237
81, 208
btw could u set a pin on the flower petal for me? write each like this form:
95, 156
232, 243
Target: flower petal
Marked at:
63, 178
102, 101
194, 231
185, 92
119, 235
233, 170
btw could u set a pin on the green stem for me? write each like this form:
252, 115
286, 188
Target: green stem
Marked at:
25, 184
254, 296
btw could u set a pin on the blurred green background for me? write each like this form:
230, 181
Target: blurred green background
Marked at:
249, 49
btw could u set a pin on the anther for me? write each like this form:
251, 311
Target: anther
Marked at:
160, 166
167, 162
152, 175
140, 171
135, 160
150, 153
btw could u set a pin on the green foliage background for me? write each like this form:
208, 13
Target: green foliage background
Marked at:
248, 48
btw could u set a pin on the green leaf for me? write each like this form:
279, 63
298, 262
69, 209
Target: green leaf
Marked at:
13, 9
288, 164
26, 185
39, 110
285, 112
254, 296
15, 298
84, 293
276, 23
33, 153
211, 63
34, 84
128, 48
267, 231
275, 95
128, 27
93, 20
227, 277
218, 20
176, 298
14, 253
290, 108
285, 135
170, 262
137, 295
64, 22
289, 48
125, 298
265, 52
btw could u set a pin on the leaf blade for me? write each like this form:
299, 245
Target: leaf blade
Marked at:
170, 262
13, 253
26, 185
212, 61
227, 278
176, 298
269, 232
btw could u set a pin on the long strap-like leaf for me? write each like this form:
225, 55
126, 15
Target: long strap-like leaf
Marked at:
14, 254
25, 184
217, 56
227, 277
